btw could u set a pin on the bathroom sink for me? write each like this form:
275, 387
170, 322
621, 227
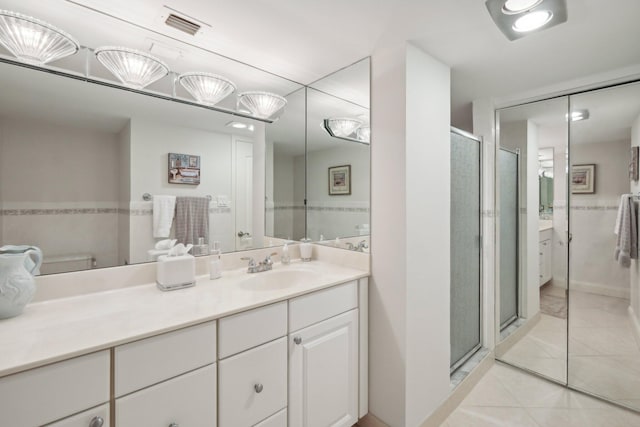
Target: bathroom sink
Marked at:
276, 279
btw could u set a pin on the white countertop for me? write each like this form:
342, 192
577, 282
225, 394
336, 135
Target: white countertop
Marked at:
58, 329
545, 224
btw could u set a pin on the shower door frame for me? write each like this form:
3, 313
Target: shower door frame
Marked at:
481, 153
516, 152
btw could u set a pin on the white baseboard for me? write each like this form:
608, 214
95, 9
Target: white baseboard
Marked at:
635, 324
594, 288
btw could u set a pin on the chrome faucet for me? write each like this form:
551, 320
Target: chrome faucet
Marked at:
360, 247
265, 265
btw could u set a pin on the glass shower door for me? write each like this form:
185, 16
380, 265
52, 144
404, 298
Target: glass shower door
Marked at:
509, 209
465, 246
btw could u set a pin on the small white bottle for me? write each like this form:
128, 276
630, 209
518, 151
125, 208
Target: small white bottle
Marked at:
306, 249
285, 258
215, 263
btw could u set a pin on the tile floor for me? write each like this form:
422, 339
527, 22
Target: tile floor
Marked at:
604, 357
508, 397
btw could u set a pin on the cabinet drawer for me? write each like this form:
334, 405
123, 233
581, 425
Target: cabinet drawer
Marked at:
152, 360
253, 385
86, 418
50, 393
277, 420
251, 328
312, 308
187, 400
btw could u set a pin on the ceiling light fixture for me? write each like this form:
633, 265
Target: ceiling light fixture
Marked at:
207, 88
518, 18
363, 133
134, 68
240, 125
578, 115
532, 21
519, 6
34, 41
262, 104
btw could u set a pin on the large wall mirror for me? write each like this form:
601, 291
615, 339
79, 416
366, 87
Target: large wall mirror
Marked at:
574, 288
338, 158
81, 154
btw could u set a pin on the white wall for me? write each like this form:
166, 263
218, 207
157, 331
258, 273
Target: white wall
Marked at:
593, 217
532, 218
409, 293
62, 183
337, 216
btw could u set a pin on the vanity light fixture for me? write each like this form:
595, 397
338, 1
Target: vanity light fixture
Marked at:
363, 133
518, 18
34, 41
262, 104
134, 68
341, 126
207, 88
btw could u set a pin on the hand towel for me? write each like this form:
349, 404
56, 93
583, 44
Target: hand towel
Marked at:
627, 231
192, 219
163, 210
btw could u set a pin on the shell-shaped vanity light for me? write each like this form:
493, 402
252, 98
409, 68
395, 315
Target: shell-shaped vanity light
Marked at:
34, 41
207, 88
134, 68
262, 104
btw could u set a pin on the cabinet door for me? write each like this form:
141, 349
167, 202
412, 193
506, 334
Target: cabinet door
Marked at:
323, 373
186, 400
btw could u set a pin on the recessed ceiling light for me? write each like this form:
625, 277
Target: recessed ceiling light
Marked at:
577, 115
532, 21
520, 18
519, 6
240, 125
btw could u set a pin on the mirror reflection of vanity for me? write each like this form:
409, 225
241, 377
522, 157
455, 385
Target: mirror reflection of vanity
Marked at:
81, 154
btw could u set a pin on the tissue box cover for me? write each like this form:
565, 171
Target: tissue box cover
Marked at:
175, 272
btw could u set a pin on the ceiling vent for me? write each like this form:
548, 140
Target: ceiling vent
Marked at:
181, 24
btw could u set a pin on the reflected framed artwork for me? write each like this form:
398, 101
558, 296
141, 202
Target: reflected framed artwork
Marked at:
184, 169
633, 163
583, 179
340, 180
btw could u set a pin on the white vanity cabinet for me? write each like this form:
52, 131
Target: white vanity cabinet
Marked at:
54, 393
545, 260
324, 359
253, 366
168, 379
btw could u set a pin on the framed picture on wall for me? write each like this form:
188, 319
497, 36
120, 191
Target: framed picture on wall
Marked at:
340, 180
633, 163
583, 179
184, 169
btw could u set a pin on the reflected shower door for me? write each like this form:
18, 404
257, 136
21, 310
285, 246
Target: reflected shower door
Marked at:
465, 246
509, 207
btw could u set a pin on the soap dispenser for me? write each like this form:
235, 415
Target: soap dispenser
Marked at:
215, 263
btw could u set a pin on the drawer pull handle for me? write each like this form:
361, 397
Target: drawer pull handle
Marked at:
258, 388
297, 340
96, 422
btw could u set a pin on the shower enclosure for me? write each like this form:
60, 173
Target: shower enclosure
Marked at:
509, 178
466, 296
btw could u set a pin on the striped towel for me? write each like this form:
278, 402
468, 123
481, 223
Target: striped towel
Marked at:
627, 231
192, 219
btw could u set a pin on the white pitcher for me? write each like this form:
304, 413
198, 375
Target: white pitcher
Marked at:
18, 264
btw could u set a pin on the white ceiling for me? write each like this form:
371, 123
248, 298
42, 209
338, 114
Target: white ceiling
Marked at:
304, 40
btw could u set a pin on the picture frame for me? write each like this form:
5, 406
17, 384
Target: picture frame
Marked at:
633, 163
340, 180
184, 169
583, 179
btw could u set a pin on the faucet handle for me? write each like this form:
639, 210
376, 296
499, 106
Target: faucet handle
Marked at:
267, 259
